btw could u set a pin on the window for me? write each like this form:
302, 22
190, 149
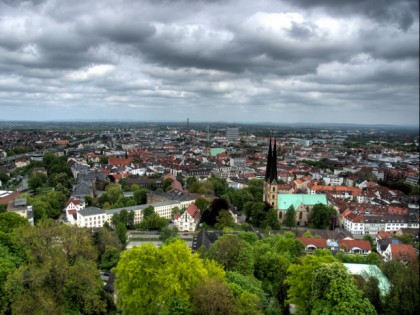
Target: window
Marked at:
274, 189
300, 215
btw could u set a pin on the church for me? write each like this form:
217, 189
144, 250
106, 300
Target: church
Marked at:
303, 203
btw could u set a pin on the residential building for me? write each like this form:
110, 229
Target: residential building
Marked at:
95, 217
188, 221
73, 206
400, 252
361, 247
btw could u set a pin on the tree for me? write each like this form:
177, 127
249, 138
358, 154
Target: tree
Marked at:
213, 297
247, 284
121, 230
373, 259
404, 296
300, 277
271, 270
88, 200
12, 255
224, 219
153, 222
148, 211
308, 234
103, 238
272, 220
60, 276
191, 181
138, 288
370, 239
290, 217
321, 216
166, 233
109, 258
233, 253
249, 237
167, 184
373, 294
210, 216
9, 221
176, 306
202, 203
147, 277
37, 180
334, 292
4, 178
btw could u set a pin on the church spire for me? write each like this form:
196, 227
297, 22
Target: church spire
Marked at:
273, 172
271, 169
268, 167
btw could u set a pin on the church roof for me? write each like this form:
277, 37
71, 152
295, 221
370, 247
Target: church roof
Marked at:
284, 201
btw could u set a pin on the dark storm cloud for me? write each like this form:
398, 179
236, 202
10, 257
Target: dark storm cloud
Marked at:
404, 13
320, 60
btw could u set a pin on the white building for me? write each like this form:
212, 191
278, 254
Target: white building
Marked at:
189, 220
333, 180
359, 224
73, 206
95, 217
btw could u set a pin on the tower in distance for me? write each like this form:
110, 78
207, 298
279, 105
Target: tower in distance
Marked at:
270, 179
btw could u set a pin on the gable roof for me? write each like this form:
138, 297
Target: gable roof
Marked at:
403, 252
362, 244
314, 241
284, 201
193, 211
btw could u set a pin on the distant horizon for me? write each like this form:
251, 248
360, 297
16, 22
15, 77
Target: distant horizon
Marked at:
228, 123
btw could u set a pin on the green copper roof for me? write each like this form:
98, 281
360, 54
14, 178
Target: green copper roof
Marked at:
367, 271
216, 151
284, 201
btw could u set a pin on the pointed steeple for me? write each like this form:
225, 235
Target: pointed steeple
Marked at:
268, 167
273, 171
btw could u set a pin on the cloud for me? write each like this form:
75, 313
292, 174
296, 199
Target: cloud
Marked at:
271, 60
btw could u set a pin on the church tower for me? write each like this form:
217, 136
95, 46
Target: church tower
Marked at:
270, 180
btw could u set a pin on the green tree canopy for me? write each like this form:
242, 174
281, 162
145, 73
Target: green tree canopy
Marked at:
224, 219
60, 276
300, 281
321, 216
148, 277
233, 253
202, 203
290, 217
10, 221
334, 292
214, 297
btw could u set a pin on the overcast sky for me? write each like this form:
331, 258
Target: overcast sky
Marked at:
354, 61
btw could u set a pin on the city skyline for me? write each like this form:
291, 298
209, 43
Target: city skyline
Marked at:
273, 61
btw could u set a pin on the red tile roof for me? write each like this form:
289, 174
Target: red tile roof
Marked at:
403, 252
362, 244
193, 211
315, 241
383, 235
76, 202
119, 161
